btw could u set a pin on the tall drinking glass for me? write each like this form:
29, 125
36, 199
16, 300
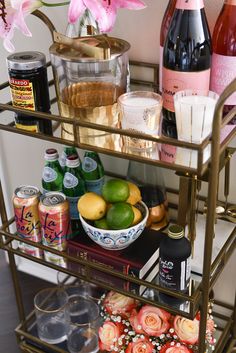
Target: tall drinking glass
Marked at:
52, 315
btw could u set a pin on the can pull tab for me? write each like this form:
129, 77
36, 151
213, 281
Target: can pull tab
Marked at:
89, 46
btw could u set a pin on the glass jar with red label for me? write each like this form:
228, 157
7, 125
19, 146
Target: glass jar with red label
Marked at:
29, 89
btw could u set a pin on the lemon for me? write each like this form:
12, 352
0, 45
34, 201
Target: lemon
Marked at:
134, 194
101, 223
92, 206
137, 215
115, 190
120, 216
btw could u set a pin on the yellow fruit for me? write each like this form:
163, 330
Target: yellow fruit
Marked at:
137, 215
115, 190
134, 194
92, 206
120, 216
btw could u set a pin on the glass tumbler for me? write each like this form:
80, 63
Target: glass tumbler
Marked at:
52, 315
85, 321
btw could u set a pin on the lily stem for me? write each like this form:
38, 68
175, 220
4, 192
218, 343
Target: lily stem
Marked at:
55, 4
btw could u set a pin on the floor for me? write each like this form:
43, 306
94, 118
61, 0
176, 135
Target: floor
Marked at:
8, 309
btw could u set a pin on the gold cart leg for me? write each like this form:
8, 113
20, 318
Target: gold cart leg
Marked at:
12, 263
184, 200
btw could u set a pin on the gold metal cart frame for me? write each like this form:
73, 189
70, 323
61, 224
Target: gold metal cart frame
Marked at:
207, 171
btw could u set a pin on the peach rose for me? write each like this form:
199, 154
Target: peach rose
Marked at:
109, 334
118, 304
150, 320
187, 330
173, 347
140, 346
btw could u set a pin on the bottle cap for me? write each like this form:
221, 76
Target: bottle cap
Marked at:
28, 60
51, 154
72, 161
175, 231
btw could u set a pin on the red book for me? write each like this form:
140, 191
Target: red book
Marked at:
137, 259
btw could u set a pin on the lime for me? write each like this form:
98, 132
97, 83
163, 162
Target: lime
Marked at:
137, 215
101, 223
134, 194
92, 206
120, 216
115, 190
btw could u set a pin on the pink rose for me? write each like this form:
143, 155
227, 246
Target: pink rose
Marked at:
150, 320
118, 304
187, 330
140, 346
173, 347
109, 334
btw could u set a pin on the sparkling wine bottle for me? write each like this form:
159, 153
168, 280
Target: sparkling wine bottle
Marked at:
163, 33
224, 53
186, 57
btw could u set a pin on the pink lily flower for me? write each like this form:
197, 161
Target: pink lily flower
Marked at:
103, 11
12, 15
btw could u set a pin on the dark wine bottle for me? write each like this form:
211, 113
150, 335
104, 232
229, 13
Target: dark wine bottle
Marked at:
163, 33
174, 262
186, 57
224, 53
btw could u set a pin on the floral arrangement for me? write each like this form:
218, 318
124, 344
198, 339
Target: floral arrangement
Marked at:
130, 327
14, 12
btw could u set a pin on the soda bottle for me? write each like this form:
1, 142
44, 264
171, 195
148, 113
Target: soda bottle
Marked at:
67, 151
52, 179
174, 263
93, 172
73, 186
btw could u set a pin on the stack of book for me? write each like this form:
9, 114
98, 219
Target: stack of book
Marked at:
140, 259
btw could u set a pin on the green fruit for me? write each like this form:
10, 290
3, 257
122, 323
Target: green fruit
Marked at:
120, 216
101, 224
115, 190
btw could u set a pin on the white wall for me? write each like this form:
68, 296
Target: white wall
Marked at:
22, 158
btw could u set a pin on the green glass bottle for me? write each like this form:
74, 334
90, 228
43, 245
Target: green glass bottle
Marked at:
73, 184
67, 151
52, 179
93, 172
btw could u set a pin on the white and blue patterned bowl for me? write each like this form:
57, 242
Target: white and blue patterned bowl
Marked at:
117, 239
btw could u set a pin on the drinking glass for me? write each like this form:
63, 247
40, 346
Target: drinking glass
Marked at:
85, 320
140, 111
52, 315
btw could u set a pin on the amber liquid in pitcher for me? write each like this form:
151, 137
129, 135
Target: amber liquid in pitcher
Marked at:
94, 102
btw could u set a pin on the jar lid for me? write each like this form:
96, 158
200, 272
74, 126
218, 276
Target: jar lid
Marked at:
51, 154
175, 231
72, 161
26, 60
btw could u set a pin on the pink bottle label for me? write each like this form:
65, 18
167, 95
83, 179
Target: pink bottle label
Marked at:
189, 4
160, 68
174, 81
230, 2
222, 73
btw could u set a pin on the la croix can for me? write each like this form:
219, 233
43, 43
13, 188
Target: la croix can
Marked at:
54, 215
25, 203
